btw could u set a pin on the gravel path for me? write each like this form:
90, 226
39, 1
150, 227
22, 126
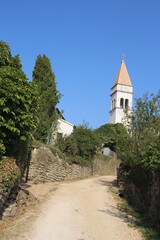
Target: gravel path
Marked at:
80, 210
83, 210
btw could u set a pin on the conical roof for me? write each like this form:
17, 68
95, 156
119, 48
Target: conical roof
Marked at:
122, 76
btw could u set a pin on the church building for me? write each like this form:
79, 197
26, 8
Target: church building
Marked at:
121, 95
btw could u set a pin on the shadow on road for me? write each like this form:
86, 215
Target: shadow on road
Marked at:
108, 183
113, 212
110, 209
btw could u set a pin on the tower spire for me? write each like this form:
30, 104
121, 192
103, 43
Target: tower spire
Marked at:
122, 75
121, 95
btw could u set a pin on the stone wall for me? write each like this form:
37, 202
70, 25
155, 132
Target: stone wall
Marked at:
144, 194
105, 165
11, 200
45, 167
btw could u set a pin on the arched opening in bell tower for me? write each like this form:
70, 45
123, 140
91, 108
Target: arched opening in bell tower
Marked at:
121, 103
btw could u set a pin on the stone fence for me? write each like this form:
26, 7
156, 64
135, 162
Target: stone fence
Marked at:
45, 167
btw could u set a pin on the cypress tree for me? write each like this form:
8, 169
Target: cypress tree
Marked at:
44, 78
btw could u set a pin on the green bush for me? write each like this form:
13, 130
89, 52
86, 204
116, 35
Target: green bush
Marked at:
140, 145
9, 173
80, 147
109, 133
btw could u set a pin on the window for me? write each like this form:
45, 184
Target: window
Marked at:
126, 103
121, 103
114, 103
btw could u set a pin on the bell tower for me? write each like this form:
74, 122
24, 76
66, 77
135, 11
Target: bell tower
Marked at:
121, 95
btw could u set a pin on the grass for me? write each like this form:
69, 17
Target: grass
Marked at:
138, 221
37, 144
135, 220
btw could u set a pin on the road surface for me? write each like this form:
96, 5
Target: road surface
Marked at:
79, 210
83, 210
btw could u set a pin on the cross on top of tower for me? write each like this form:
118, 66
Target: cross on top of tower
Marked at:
123, 55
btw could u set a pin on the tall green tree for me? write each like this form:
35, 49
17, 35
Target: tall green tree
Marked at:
109, 133
44, 78
18, 104
140, 145
81, 146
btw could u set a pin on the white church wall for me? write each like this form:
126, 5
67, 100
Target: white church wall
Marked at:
112, 117
64, 127
124, 96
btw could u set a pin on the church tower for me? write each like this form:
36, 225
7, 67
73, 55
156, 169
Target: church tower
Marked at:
121, 95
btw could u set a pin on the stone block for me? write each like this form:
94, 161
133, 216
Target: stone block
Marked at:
26, 191
11, 203
14, 211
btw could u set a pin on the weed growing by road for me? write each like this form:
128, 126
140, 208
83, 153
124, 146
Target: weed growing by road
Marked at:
134, 219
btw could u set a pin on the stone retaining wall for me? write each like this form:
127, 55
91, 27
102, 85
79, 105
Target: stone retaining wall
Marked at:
105, 165
10, 200
45, 167
144, 194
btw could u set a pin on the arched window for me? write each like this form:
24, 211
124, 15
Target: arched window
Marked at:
114, 103
126, 103
121, 103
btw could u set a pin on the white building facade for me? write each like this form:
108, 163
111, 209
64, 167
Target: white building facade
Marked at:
64, 128
121, 95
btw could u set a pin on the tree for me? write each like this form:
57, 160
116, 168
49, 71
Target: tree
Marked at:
18, 104
81, 146
44, 78
87, 142
109, 133
140, 145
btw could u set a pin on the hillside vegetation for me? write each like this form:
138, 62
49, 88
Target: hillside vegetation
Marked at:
18, 107
139, 151
28, 111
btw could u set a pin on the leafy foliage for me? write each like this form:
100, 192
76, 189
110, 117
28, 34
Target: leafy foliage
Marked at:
81, 146
48, 98
139, 150
137, 220
9, 173
140, 146
109, 133
18, 104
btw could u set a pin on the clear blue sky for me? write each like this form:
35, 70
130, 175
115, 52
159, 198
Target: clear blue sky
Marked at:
85, 39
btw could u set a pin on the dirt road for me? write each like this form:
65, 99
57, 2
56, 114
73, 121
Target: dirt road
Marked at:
81, 210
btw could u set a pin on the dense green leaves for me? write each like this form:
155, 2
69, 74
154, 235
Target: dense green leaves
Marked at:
81, 146
48, 98
87, 142
109, 133
141, 144
18, 103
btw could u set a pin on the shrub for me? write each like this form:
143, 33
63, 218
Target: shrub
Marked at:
80, 147
9, 173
